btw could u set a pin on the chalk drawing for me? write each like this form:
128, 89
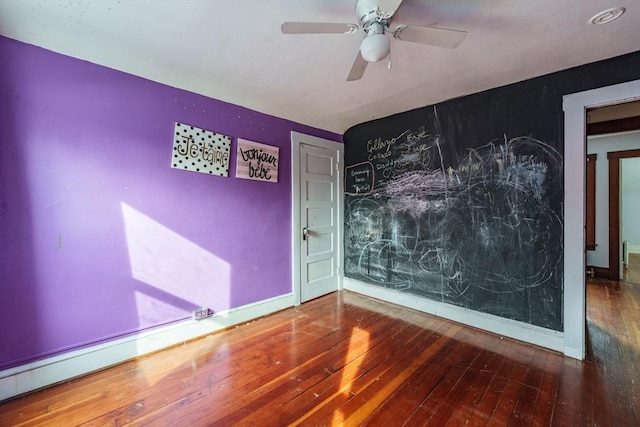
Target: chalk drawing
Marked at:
480, 234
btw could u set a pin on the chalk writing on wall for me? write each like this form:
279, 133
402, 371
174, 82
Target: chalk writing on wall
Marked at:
478, 234
257, 161
360, 178
200, 150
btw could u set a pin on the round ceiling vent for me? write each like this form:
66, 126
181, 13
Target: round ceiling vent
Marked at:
606, 16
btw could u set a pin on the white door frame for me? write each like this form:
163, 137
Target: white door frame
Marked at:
575, 106
297, 139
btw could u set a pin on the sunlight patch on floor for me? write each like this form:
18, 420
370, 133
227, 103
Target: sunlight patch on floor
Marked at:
358, 346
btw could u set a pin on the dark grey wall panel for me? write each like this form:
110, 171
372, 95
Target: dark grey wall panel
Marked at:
461, 202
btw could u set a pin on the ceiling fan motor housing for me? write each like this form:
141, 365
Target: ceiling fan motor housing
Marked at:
368, 15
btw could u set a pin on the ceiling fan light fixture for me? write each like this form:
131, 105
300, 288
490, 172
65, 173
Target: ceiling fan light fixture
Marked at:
375, 47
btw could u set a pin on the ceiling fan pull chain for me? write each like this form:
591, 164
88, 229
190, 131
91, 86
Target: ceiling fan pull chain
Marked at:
389, 64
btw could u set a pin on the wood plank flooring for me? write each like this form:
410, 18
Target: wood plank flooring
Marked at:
632, 274
345, 359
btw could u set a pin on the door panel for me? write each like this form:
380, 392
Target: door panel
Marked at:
319, 200
319, 271
319, 163
320, 244
320, 217
320, 191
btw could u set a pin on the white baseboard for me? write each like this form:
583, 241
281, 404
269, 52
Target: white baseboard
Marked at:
634, 249
42, 373
536, 335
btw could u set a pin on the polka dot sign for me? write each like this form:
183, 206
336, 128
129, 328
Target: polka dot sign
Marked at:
200, 150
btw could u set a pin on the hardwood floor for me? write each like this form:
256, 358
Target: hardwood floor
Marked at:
632, 274
345, 359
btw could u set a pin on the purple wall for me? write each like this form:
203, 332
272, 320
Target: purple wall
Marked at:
99, 237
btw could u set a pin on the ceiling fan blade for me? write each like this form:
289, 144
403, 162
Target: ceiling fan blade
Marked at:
440, 37
358, 68
389, 6
318, 28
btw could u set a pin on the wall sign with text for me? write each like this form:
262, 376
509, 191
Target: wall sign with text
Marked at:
200, 150
257, 161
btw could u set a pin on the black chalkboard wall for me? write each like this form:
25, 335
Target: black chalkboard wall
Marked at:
461, 202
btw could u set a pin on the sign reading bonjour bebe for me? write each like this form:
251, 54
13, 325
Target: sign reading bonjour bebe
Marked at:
257, 161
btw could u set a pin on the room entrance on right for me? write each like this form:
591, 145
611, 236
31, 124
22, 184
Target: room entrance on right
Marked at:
613, 191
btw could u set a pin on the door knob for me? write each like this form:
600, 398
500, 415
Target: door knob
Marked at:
305, 233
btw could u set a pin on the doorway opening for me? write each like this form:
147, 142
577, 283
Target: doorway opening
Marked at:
574, 106
612, 189
630, 207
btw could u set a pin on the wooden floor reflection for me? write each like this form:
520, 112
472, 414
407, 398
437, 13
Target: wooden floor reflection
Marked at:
345, 359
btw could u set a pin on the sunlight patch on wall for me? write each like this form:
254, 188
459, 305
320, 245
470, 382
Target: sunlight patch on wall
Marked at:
179, 273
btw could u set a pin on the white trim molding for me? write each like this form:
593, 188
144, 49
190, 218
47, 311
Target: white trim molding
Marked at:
505, 327
43, 373
575, 107
634, 249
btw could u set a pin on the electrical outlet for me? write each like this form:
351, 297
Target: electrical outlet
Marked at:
201, 313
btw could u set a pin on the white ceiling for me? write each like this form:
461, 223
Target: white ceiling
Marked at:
233, 50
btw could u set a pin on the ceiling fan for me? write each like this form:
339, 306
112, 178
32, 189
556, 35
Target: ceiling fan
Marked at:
374, 17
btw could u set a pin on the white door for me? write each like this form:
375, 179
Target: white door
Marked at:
318, 213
